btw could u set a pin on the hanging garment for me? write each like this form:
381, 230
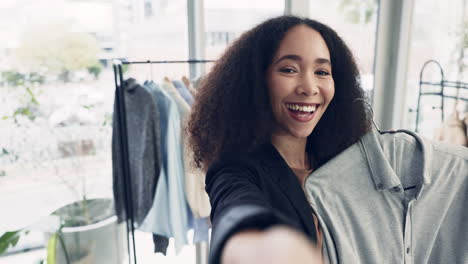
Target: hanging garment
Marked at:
452, 131
196, 82
201, 230
184, 92
143, 146
184, 110
189, 86
465, 120
182, 106
169, 214
396, 198
197, 197
160, 244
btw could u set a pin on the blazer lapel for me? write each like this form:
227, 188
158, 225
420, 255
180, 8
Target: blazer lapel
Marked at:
276, 166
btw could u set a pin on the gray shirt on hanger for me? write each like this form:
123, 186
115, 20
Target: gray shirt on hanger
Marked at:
143, 135
393, 198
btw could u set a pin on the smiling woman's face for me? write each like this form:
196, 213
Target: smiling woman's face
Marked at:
300, 82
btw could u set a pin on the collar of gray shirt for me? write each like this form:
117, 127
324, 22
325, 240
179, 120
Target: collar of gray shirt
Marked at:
386, 158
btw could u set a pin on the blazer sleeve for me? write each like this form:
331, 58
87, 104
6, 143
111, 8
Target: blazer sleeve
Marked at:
237, 203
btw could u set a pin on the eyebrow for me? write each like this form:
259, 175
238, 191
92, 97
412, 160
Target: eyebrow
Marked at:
298, 58
290, 57
323, 61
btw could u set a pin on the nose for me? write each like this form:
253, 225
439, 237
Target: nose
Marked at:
307, 85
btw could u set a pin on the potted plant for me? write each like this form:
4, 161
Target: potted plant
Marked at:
85, 230
88, 231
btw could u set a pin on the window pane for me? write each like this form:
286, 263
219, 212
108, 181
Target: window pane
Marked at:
441, 39
356, 22
225, 21
56, 103
153, 30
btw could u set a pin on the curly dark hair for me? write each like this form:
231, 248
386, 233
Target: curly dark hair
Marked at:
232, 111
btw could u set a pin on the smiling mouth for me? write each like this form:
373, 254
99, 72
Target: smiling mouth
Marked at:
309, 109
302, 113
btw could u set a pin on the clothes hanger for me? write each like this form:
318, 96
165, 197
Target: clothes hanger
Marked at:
381, 132
149, 77
151, 70
186, 81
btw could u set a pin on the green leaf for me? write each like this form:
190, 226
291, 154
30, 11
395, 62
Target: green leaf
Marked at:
2, 173
33, 97
29, 91
5, 151
5, 117
23, 111
9, 239
34, 101
26, 112
52, 249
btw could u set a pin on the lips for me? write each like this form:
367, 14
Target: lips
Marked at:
302, 112
303, 104
301, 116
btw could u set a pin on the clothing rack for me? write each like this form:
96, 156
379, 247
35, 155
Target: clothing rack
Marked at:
123, 139
442, 84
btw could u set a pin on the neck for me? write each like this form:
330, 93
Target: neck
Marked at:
293, 150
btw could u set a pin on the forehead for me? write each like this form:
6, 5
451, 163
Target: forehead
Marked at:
304, 41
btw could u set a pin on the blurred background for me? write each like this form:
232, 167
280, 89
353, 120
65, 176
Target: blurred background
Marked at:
57, 84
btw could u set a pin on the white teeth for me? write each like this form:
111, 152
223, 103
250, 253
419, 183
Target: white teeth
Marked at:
296, 107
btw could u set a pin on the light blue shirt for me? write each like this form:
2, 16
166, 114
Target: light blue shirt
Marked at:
169, 215
200, 225
184, 92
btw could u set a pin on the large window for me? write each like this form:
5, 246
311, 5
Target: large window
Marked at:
56, 102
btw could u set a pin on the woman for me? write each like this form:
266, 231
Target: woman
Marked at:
281, 128
284, 92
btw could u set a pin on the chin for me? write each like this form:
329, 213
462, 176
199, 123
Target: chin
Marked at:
300, 134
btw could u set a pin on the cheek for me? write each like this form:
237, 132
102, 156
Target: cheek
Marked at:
275, 102
276, 93
330, 92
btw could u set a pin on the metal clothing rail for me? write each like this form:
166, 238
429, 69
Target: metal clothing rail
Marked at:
442, 84
123, 140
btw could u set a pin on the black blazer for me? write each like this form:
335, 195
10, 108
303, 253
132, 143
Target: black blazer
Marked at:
255, 190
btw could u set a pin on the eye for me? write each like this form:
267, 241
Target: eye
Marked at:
288, 70
322, 73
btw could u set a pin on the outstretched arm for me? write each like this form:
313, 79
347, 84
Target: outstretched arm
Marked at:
279, 244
